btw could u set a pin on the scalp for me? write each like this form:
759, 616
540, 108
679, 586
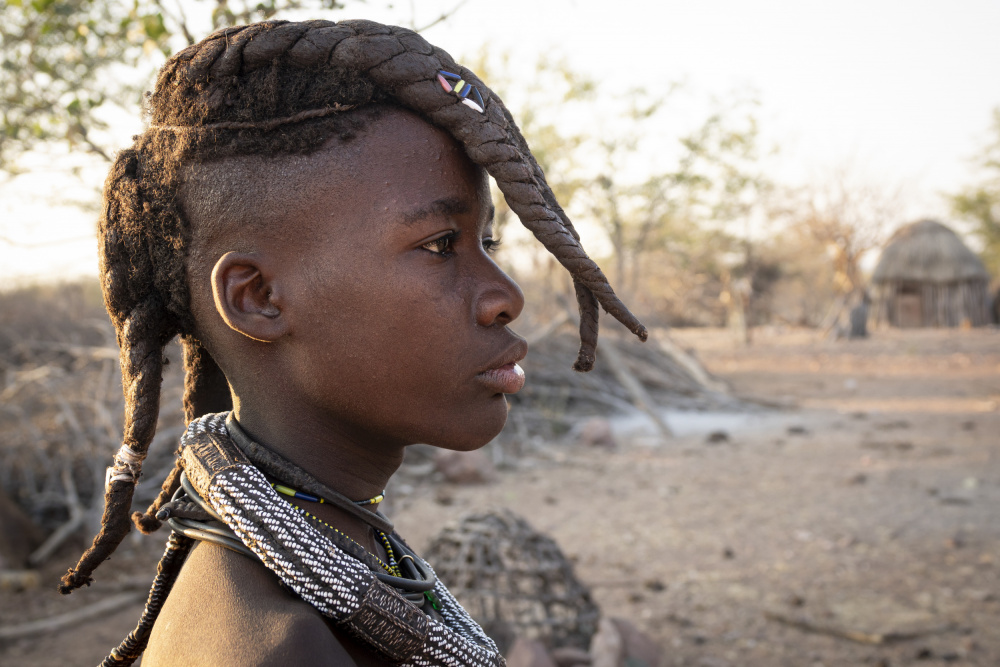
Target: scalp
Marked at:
244, 195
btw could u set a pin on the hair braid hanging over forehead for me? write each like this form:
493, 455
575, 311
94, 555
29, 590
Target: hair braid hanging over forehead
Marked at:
264, 89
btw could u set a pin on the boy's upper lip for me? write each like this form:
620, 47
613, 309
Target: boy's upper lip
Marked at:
517, 351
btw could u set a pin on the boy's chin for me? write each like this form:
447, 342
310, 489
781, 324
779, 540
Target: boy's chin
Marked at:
475, 434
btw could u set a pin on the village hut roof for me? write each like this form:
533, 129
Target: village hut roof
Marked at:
927, 251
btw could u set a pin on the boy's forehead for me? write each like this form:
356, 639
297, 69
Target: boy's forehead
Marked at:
246, 195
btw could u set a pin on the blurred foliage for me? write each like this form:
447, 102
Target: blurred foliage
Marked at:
680, 232
847, 220
675, 225
980, 204
65, 62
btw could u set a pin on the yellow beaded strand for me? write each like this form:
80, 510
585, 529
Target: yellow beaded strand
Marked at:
391, 569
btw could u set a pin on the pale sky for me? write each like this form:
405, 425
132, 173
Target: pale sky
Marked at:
901, 92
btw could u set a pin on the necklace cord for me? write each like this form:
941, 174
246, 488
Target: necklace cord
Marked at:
216, 532
392, 567
273, 464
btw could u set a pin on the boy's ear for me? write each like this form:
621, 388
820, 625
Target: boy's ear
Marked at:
247, 297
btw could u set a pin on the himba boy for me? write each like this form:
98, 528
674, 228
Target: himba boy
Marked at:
309, 211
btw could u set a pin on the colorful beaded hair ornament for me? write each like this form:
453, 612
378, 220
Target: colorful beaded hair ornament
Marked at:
469, 94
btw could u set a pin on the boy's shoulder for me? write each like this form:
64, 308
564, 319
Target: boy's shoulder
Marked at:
228, 609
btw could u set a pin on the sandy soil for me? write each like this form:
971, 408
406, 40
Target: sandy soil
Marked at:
857, 526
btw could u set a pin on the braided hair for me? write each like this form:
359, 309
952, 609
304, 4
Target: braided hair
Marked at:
265, 89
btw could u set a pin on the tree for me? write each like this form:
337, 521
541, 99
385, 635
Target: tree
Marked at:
849, 220
724, 154
53, 53
980, 204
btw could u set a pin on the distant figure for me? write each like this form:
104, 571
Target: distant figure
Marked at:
859, 319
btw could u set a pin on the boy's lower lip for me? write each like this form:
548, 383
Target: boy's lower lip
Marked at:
507, 379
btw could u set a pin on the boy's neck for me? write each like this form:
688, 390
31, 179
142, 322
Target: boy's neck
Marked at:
357, 467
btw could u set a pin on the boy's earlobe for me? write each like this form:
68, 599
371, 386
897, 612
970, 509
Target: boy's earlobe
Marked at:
246, 297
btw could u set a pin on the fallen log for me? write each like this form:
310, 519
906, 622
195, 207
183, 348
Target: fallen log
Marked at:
110, 604
640, 397
806, 622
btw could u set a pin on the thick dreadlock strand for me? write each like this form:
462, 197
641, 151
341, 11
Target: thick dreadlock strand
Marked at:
494, 141
143, 326
205, 386
147, 522
587, 303
266, 89
585, 299
205, 390
142, 368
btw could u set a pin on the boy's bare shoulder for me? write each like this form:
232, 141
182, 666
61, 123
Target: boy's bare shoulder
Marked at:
228, 609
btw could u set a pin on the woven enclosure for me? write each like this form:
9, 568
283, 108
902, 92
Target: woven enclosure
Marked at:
514, 580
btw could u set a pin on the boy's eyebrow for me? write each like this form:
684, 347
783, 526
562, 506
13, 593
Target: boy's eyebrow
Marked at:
446, 206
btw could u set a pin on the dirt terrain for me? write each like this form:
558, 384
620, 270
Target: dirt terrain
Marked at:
856, 523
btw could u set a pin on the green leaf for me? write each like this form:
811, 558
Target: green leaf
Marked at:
154, 27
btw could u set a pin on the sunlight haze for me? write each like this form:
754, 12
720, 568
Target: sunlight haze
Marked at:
901, 92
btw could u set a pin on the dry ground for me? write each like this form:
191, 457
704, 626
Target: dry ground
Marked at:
860, 528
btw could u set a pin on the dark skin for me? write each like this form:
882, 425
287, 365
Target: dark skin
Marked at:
363, 316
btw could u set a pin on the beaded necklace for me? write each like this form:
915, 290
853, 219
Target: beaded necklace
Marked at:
392, 567
289, 491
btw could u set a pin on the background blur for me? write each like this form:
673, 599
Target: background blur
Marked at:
815, 424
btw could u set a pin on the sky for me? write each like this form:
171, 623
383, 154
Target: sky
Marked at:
898, 93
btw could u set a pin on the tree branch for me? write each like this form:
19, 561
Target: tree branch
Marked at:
444, 17
43, 244
180, 22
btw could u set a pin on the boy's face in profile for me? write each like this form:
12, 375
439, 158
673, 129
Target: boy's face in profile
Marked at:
373, 305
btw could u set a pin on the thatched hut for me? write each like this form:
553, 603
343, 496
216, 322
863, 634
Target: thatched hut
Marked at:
927, 277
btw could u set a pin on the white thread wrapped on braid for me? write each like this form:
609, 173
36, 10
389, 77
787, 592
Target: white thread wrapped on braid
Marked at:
127, 467
331, 580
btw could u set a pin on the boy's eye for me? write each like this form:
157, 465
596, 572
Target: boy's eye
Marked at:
445, 245
491, 245
440, 246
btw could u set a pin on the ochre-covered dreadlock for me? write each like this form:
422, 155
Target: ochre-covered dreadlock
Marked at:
266, 89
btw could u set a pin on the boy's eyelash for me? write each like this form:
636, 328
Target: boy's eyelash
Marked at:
443, 245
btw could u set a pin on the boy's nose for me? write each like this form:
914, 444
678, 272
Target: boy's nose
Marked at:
500, 302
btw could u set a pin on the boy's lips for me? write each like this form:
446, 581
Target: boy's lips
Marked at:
504, 375
507, 379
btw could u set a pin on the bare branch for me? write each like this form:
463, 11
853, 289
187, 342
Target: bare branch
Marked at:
44, 244
444, 17
97, 150
180, 20
48, 625
640, 397
65, 531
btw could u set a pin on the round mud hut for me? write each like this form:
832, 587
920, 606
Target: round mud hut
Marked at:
927, 277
